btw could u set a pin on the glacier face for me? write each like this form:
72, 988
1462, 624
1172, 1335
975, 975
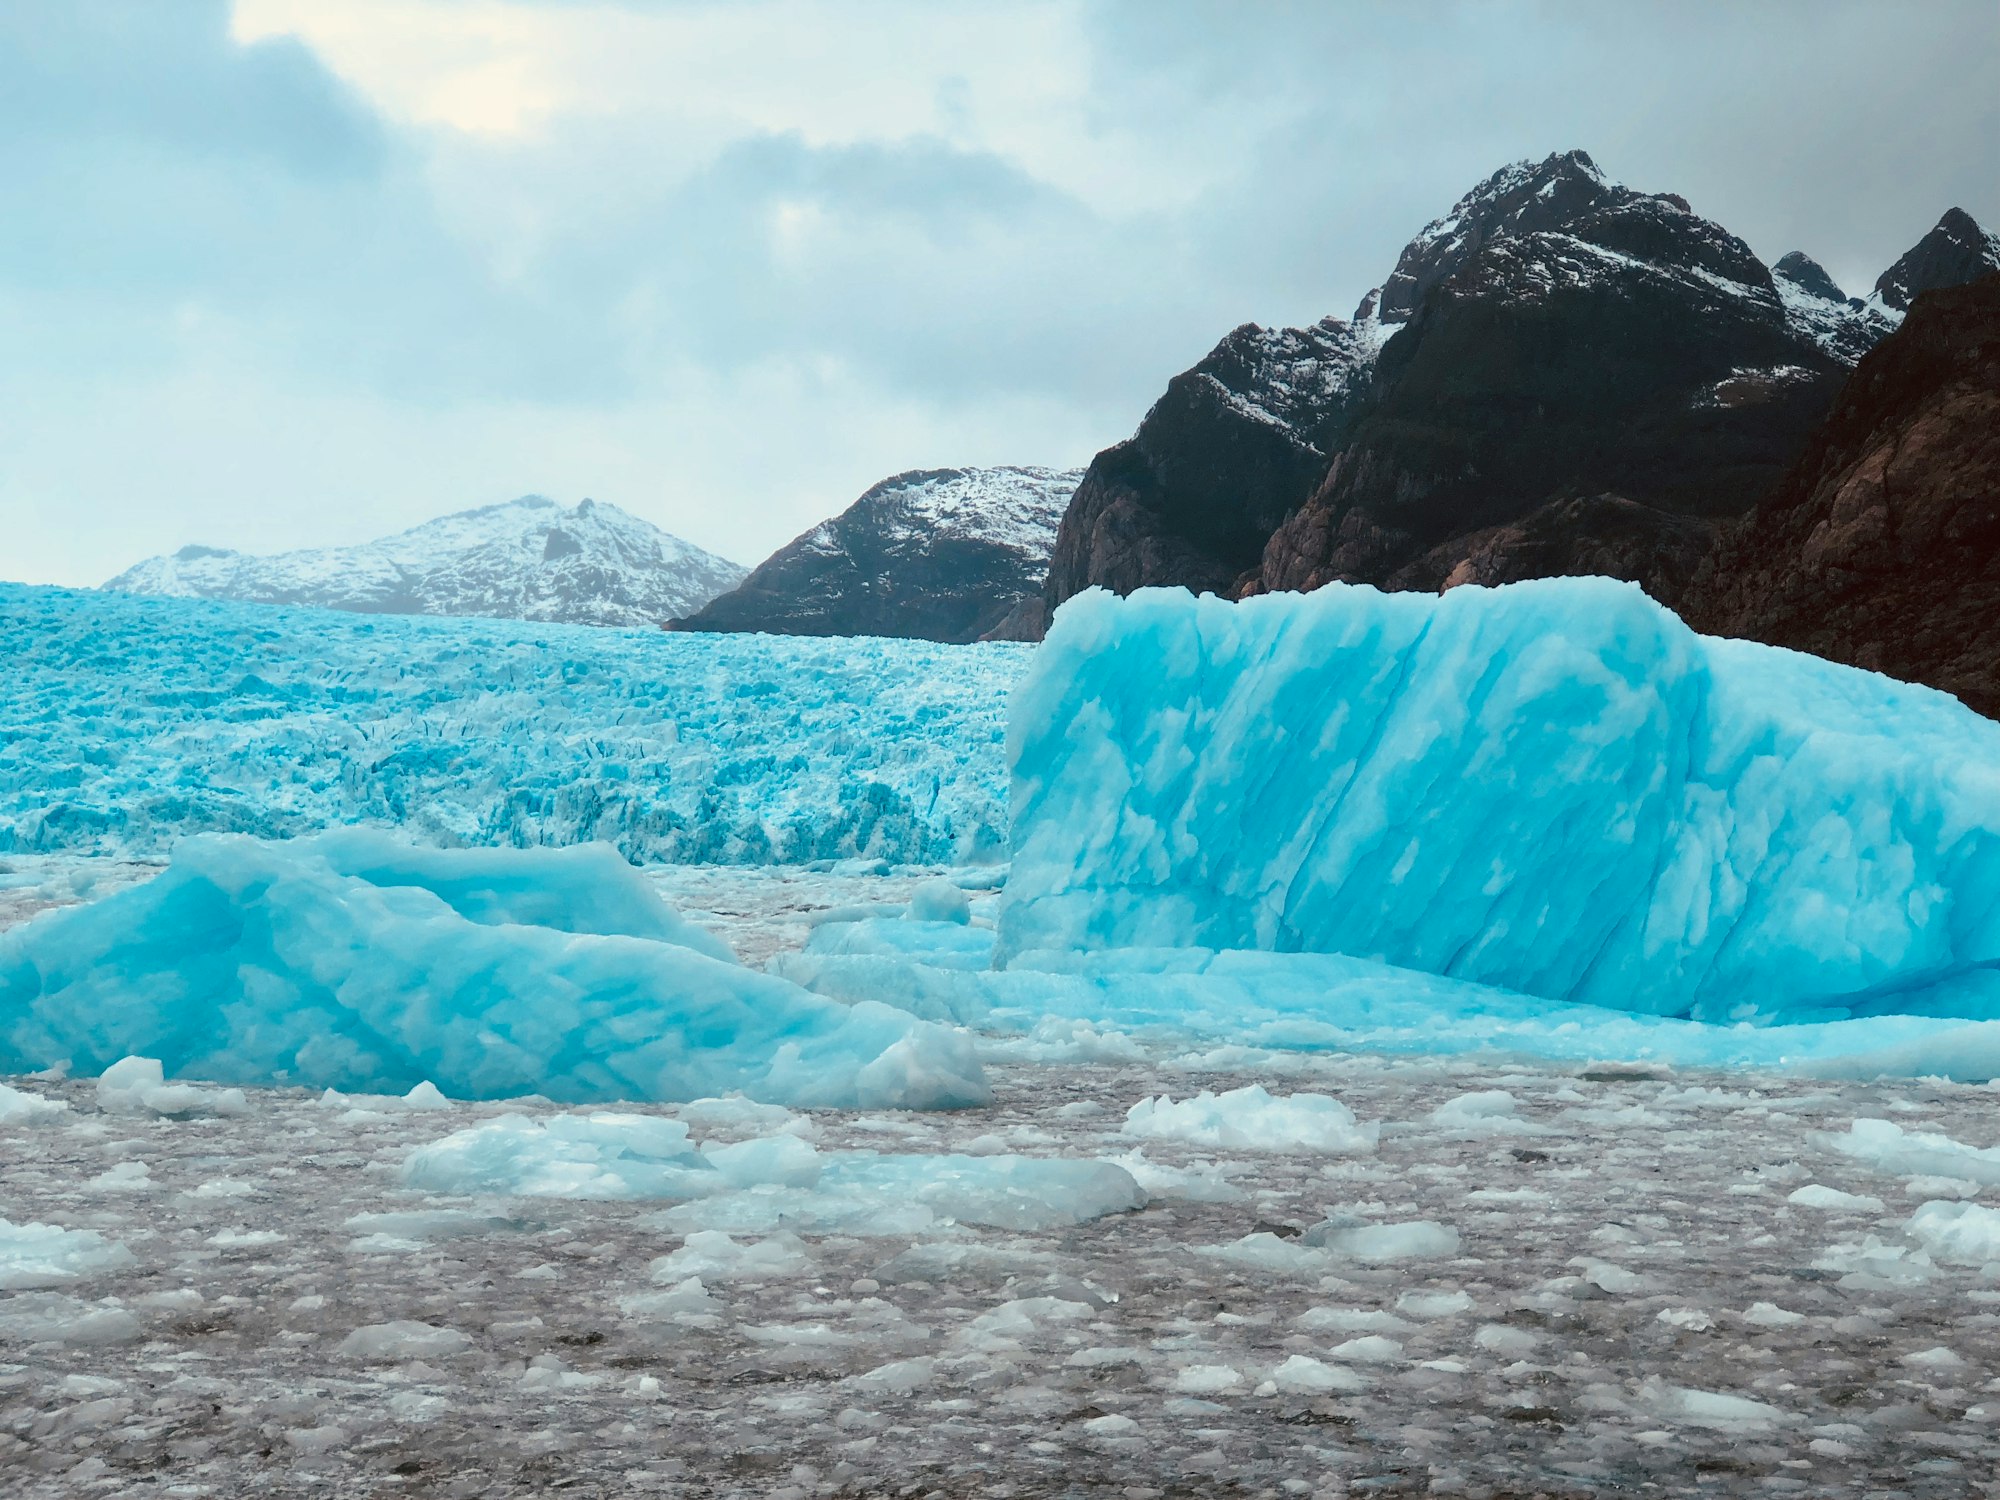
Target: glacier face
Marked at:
1554, 787
528, 559
129, 722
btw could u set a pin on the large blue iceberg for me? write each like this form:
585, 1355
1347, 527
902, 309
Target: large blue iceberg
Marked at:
353, 962
1555, 787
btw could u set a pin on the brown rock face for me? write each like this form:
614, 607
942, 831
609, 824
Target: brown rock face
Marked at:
1881, 547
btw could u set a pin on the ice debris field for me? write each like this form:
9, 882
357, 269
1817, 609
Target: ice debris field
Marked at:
1492, 1045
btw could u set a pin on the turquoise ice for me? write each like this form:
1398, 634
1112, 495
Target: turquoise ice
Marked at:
1555, 788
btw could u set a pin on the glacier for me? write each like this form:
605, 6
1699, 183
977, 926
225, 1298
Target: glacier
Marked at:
126, 723
346, 962
1554, 788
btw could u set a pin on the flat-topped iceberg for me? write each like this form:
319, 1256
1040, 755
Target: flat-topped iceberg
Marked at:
1554, 787
352, 962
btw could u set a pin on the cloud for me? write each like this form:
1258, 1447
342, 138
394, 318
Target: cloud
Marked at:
293, 266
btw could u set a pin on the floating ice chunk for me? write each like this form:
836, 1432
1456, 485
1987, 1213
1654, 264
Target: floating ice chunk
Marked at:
1770, 1315
898, 1377
272, 963
1480, 1111
1431, 1305
137, 1086
52, 1318
1965, 1234
1937, 1358
1874, 1265
940, 900
415, 1228
1375, 1244
1887, 1147
583, 888
715, 1256
1003, 1192
1251, 1119
400, 1341
1688, 1319
1305, 1376
44, 1255
1191, 1184
1369, 1349
125, 1177
602, 1155
943, 945
686, 1302
1207, 1380
1814, 1195
1614, 1279
1506, 1341
736, 1113
1022, 1320
1352, 1320
20, 1108
1111, 1425
769, 1161
1717, 1409
1940, 1187
1554, 787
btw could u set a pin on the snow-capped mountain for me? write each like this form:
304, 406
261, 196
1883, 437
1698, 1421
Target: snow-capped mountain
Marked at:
529, 559
936, 554
1561, 375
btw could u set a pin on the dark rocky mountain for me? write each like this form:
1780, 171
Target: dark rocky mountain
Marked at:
1233, 445
530, 559
1955, 252
937, 554
1562, 375
1881, 547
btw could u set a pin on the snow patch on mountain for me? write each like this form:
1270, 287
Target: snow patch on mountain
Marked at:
531, 559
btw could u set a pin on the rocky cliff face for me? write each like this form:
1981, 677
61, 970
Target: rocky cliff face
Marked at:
938, 554
1881, 548
1562, 375
1955, 252
1233, 445
1586, 387
529, 559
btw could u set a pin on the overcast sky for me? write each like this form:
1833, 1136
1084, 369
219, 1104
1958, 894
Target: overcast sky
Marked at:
302, 272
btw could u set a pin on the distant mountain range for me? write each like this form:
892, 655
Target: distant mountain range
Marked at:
530, 559
1563, 375
936, 554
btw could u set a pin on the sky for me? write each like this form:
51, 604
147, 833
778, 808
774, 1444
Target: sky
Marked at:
286, 273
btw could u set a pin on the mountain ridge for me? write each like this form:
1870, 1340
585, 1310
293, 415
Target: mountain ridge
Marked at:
530, 558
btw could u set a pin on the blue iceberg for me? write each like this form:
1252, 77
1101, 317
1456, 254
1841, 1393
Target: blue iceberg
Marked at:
352, 962
1555, 788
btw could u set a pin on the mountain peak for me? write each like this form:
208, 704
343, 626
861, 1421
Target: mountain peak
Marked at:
1809, 276
1956, 251
528, 558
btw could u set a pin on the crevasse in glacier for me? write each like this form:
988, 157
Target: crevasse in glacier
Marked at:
349, 961
1555, 787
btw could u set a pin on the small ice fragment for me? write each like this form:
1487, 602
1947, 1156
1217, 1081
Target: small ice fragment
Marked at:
1507, 1342
1303, 1375
710, 1253
939, 900
1814, 1195
1770, 1315
1370, 1349
401, 1340
1249, 1119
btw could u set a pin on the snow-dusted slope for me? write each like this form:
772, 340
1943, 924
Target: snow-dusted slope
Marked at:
530, 559
935, 554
